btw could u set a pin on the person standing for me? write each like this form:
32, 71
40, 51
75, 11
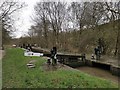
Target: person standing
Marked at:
97, 53
53, 55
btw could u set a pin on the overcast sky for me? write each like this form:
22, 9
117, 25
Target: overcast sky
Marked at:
23, 24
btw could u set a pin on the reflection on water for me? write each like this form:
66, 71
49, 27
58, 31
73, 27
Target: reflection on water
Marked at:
99, 73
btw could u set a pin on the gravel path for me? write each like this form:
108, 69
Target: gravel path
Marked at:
1, 54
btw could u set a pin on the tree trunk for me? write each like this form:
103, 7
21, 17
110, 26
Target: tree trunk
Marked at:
117, 40
116, 47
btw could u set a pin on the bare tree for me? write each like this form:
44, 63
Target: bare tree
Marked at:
7, 8
56, 12
114, 8
51, 15
41, 19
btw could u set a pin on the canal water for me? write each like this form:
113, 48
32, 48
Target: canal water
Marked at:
105, 74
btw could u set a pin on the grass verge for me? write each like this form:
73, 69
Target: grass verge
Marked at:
17, 75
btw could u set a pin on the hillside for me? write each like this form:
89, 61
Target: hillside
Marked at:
89, 38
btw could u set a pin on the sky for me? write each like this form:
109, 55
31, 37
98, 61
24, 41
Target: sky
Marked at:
24, 22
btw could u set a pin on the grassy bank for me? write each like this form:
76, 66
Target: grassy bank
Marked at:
17, 75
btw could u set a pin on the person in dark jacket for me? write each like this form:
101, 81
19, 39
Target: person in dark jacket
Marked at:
97, 53
53, 55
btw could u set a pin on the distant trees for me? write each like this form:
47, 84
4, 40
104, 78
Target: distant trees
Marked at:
7, 8
51, 16
114, 8
65, 25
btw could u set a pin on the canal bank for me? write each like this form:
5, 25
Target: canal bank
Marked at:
105, 74
77, 61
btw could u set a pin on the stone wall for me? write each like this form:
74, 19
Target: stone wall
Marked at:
115, 70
